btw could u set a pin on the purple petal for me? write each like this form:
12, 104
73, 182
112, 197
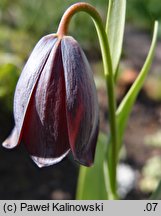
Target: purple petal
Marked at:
81, 100
45, 131
28, 79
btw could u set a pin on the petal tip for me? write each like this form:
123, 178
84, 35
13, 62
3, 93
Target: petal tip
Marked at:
44, 162
84, 162
12, 140
6, 144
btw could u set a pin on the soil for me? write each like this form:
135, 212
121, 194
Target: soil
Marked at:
22, 179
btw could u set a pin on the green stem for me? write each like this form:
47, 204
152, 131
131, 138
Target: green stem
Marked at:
108, 71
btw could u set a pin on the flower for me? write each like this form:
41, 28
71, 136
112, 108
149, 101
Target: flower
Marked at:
55, 104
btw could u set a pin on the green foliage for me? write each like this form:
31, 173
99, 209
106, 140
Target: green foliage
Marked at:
144, 12
8, 79
115, 30
118, 120
91, 183
15, 42
127, 103
38, 17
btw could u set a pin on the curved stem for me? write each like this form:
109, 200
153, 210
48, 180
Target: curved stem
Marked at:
108, 71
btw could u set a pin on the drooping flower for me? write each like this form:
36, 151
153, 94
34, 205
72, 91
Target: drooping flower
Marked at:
55, 104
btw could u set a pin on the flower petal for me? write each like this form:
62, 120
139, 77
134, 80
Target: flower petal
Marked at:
28, 79
12, 140
42, 162
81, 102
45, 131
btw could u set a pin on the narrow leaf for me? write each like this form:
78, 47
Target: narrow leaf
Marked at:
115, 29
126, 105
91, 183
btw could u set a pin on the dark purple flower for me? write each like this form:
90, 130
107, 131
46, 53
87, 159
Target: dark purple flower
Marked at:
55, 104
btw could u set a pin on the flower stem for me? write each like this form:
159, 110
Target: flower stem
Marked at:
108, 72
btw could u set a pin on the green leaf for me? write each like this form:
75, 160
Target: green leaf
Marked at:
91, 183
115, 29
127, 103
157, 193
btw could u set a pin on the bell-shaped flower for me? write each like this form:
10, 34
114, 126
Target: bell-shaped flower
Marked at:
55, 104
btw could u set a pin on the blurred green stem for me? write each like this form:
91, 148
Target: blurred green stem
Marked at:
108, 72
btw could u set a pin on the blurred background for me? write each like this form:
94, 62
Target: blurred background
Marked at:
22, 24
